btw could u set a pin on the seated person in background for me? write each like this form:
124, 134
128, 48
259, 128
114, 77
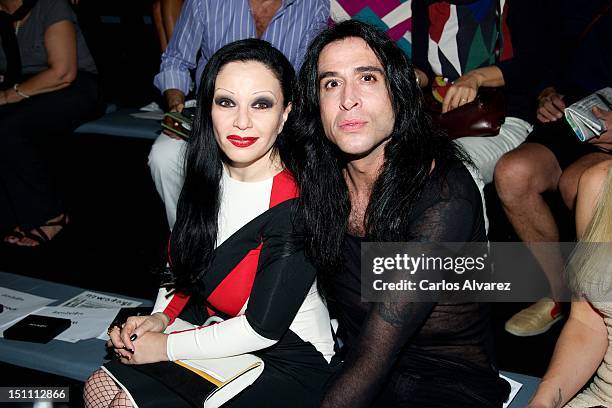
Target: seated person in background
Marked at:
552, 158
206, 26
48, 87
235, 250
370, 168
584, 347
165, 13
458, 41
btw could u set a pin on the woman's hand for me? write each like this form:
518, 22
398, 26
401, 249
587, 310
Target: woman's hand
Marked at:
550, 105
10, 96
151, 349
136, 326
463, 91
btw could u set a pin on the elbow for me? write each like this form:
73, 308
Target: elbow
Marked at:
66, 76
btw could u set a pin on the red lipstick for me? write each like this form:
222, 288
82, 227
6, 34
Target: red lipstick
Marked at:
352, 124
240, 141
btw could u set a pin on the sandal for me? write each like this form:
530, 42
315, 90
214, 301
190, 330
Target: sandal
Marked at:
40, 236
16, 234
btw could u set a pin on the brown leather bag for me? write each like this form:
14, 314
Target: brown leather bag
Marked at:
481, 117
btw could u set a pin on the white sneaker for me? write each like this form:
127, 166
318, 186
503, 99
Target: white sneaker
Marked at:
536, 319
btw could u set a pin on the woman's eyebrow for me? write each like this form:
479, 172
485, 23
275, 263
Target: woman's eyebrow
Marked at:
265, 90
223, 89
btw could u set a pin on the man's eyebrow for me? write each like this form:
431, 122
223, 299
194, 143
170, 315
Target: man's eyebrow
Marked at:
370, 68
327, 74
367, 68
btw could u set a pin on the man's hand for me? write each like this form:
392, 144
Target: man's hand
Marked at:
463, 91
175, 100
550, 105
603, 142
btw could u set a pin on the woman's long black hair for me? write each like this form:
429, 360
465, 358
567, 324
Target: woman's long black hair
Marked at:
318, 164
194, 236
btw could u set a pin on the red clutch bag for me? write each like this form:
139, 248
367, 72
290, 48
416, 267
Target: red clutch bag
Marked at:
481, 117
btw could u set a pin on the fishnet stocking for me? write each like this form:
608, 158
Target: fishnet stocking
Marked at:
101, 391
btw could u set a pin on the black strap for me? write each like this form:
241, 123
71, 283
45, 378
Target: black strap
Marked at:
9, 42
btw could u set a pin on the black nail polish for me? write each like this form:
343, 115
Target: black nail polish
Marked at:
133, 337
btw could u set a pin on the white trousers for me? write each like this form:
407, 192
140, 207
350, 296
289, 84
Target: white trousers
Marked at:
166, 161
486, 151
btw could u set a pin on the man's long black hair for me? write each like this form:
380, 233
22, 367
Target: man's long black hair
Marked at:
318, 164
194, 236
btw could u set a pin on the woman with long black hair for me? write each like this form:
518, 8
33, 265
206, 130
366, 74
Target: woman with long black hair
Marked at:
235, 254
371, 168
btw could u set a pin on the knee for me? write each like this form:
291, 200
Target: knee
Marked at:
594, 177
93, 387
121, 400
513, 173
166, 155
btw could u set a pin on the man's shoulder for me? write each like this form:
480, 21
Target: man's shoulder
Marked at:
313, 4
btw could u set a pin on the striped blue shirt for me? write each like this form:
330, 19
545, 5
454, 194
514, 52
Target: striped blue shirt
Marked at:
208, 25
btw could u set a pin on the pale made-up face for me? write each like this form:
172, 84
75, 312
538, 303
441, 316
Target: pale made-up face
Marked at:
247, 113
356, 109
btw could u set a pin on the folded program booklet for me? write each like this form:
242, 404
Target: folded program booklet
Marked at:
581, 118
226, 376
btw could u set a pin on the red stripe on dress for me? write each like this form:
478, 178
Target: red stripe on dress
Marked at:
283, 188
176, 305
232, 293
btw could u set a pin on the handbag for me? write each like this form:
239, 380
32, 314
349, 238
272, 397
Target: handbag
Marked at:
179, 123
481, 117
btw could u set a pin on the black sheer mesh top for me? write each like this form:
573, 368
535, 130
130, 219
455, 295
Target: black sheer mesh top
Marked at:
381, 339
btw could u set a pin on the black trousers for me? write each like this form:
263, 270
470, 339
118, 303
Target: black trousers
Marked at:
27, 130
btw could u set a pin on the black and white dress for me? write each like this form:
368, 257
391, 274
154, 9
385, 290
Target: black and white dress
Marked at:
269, 301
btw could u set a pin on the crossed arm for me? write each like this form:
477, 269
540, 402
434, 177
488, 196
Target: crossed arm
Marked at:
61, 46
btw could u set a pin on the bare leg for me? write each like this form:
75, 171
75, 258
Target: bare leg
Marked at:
568, 184
589, 189
521, 177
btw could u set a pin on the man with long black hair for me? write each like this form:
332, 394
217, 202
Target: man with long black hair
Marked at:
371, 168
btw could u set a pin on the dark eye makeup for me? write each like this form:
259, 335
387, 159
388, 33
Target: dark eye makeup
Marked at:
224, 102
263, 103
